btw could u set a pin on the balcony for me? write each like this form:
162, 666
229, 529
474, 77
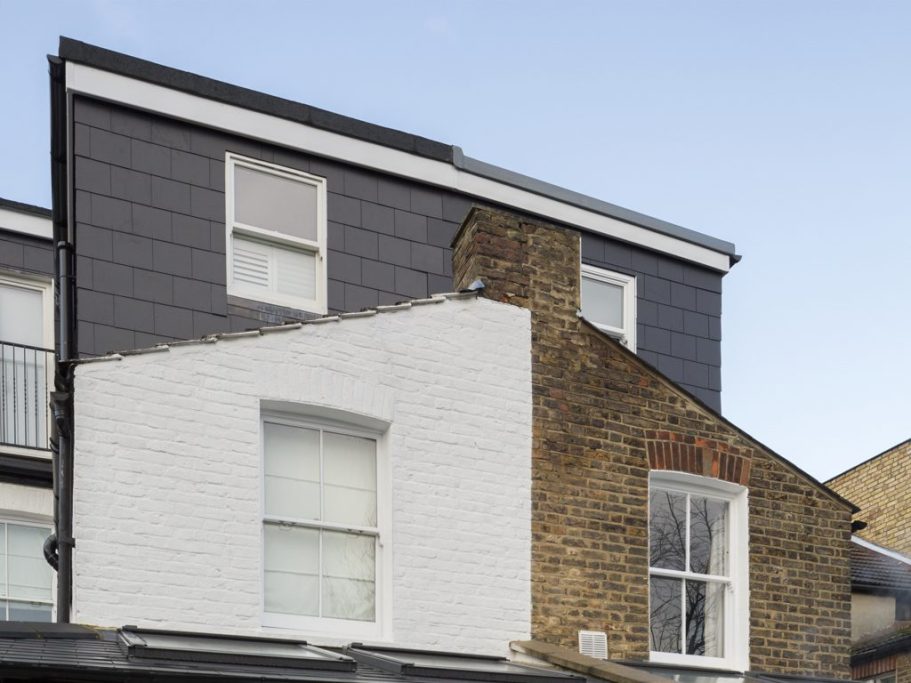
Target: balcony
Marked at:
25, 376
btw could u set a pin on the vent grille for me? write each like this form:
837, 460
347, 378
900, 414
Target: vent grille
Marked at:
593, 644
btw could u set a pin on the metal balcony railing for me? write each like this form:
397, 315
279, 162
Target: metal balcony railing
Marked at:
25, 373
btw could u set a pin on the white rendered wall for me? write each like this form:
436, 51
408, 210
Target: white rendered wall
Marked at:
26, 503
168, 471
871, 613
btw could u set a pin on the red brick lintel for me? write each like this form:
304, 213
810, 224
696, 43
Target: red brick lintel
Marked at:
671, 451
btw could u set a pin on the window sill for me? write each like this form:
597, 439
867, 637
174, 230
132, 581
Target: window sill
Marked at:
325, 629
271, 300
697, 662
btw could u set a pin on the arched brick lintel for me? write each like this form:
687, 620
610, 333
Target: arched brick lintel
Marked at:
705, 457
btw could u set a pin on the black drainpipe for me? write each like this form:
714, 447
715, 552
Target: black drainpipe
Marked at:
58, 549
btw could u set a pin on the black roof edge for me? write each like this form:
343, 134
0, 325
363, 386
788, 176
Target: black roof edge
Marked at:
141, 69
219, 91
869, 460
25, 470
702, 404
879, 589
865, 653
21, 207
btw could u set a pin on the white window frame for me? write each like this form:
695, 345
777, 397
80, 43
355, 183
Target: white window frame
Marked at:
45, 287
736, 612
47, 526
626, 335
380, 627
277, 239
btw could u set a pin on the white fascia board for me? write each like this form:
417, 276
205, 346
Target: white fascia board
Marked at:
26, 223
104, 85
882, 551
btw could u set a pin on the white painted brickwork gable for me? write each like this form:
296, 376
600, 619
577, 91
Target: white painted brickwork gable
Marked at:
168, 487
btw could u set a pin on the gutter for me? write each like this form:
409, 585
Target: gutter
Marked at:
58, 548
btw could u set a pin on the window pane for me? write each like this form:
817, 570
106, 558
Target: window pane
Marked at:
292, 471
664, 620
2, 561
272, 202
21, 313
708, 538
667, 530
349, 576
295, 272
602, 302
25, 611
705, 618
291, 570
350, 486
29, 574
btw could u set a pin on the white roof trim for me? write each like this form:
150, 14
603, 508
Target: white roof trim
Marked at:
882, 551
26, 223
105, 85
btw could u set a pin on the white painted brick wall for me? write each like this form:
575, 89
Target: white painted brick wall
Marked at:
28, 503
168, 477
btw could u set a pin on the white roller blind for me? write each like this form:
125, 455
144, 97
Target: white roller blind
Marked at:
274, 202
292, 471
21, 315
292, 570
602, 302
350, 479
28, 575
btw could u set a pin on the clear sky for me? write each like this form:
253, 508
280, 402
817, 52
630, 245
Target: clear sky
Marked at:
782, 126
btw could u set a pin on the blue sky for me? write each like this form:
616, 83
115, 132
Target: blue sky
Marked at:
780, 126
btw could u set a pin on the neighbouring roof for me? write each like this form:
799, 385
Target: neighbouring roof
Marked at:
71, 652
869, 460
896, 638
219, 91
24, 208
877, 568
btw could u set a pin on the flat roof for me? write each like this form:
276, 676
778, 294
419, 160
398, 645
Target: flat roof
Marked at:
226, 93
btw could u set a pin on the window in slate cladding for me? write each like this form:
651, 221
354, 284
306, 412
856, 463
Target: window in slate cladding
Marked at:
678, 313
151, 263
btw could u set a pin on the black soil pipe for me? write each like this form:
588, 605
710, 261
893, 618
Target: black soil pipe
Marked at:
59, 548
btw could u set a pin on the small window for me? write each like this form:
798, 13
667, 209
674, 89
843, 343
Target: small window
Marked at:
321, 528
697, 571
26, 579
276, 223
609, 303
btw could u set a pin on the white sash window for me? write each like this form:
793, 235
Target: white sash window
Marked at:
276, 242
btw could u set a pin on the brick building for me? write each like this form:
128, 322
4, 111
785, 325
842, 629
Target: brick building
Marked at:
881, 564
555, 469
879, 487
616, 447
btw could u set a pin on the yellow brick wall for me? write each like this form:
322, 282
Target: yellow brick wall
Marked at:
601, 420
881, 488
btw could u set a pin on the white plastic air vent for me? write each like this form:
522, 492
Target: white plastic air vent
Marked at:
593, 644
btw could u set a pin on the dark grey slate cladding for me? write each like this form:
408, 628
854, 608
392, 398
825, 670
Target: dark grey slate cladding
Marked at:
678, 313
150, 211
25, 254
